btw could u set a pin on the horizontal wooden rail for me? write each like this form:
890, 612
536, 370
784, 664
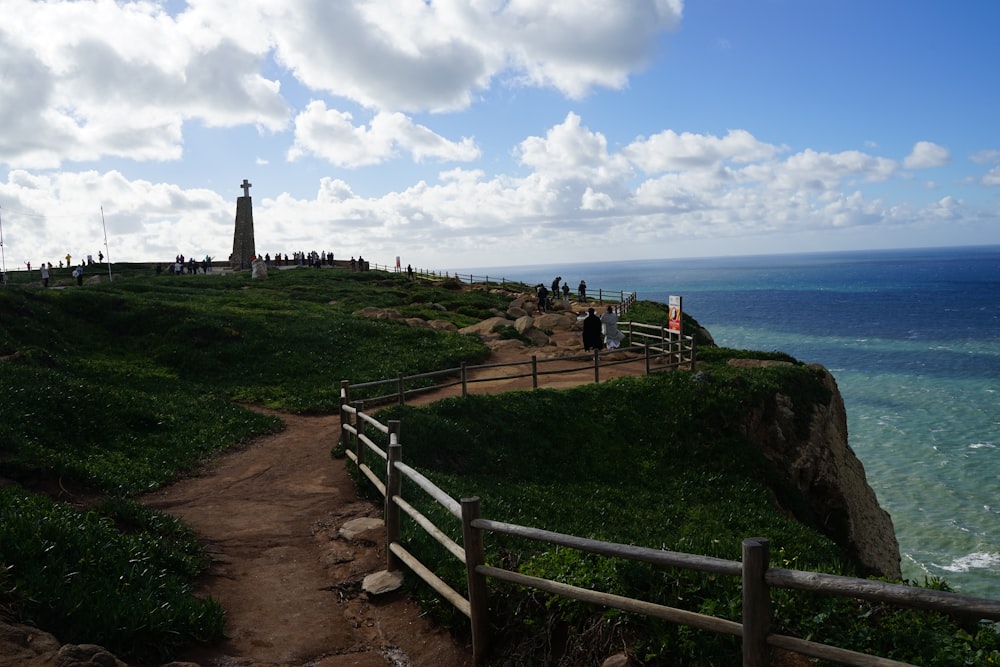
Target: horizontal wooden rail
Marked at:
693, 619
880, 591
434, 581
451, 545
654, 556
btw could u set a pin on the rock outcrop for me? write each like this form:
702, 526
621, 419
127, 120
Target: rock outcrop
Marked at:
824, 468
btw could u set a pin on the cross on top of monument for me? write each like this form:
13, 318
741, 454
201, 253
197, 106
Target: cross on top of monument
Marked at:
246, 185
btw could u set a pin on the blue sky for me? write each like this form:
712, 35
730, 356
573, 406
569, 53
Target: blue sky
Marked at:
478, 133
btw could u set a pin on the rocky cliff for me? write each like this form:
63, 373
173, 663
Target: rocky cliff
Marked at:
824, 468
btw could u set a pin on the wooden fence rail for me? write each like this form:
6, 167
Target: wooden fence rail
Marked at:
661, 350
757, 577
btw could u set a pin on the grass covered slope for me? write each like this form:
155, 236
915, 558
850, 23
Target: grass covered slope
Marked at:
111, 390
658, 462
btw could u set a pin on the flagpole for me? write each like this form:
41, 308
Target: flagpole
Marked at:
3, 259
107, 252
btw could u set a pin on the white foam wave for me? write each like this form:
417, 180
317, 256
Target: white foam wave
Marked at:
973, 561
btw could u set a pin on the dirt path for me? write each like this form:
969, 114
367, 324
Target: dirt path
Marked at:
290, 581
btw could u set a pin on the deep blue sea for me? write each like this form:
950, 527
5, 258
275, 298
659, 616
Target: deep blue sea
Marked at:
913, 339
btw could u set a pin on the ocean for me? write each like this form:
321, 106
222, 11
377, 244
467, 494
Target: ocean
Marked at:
911, 337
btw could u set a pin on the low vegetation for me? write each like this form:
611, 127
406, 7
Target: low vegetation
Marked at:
112, 390
654, 462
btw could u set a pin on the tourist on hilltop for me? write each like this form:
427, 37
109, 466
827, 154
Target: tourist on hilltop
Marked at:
78, 274
582, 291
543, 297
612, 336
45, 275
409, 271
591, 331
565, 292
555, 286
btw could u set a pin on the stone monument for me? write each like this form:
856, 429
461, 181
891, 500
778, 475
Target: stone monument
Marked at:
243, 244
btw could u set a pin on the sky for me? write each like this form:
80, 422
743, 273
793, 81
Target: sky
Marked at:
464, 134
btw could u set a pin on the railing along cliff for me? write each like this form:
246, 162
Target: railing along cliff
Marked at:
597, 295
757, 577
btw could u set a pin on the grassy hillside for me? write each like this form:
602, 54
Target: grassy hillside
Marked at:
111, 390
657, 462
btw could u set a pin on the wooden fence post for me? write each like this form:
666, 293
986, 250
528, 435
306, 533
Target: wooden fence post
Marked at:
359, 429
400, 390
393, 488
475, 555
645, 349
465, 381
756, 602
597, 366
534, 372
345, 400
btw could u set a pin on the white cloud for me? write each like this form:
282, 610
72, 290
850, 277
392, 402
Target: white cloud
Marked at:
992, 177
669, 151
986, 157
97, 78
926, 154
332, 135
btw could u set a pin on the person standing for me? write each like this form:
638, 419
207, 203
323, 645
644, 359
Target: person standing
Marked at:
565, 292
543, 297
612, 336
45, 275
591, 331
78, 273
582, 291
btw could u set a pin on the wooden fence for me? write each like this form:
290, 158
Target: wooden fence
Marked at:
754, 571
656, 348
596, 295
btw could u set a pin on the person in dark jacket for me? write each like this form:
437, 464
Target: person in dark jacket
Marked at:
591, 331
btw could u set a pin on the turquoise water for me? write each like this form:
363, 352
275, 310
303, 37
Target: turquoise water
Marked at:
912, 339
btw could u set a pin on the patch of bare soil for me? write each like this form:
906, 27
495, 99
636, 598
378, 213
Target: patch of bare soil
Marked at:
290, 582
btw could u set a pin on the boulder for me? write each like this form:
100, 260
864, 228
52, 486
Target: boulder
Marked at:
516, 312
258, 269
371, 312
524, 324
554, 321
442, 325
486, 326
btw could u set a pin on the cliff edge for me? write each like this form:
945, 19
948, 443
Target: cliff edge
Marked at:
824, 468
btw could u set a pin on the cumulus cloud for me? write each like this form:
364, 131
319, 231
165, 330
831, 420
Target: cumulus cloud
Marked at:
97, 78
332, 135
926, 154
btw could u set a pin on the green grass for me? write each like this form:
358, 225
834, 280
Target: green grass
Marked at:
658, 462
112, 390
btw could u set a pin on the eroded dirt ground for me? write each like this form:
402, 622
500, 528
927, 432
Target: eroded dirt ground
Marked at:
290, 582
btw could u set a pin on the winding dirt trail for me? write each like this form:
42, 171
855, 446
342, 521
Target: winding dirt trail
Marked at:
271, 516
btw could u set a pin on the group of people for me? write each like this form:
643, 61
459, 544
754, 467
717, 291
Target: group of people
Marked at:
190, 265
45, 269
545, 297
606, 326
